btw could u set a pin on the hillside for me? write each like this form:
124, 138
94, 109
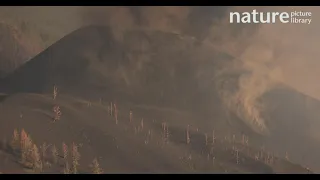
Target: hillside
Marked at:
122, 146
152, 73
151, 68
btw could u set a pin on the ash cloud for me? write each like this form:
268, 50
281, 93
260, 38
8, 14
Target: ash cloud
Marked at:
191, 20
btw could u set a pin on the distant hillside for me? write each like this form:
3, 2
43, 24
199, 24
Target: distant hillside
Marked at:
16, 47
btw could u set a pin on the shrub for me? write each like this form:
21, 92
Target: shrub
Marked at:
96, 167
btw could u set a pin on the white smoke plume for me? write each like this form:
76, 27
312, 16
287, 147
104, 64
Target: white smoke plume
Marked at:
269, 55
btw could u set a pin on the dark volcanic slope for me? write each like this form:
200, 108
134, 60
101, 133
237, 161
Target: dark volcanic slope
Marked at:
147, 67
64, 62
88, 55
150, 67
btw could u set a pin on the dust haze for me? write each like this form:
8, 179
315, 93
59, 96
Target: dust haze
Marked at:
268, 54
264, 57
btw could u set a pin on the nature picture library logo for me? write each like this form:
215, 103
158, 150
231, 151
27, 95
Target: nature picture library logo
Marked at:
294, 17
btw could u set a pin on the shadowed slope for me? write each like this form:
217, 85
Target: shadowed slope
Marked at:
90, 60
62, 63
147, 67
